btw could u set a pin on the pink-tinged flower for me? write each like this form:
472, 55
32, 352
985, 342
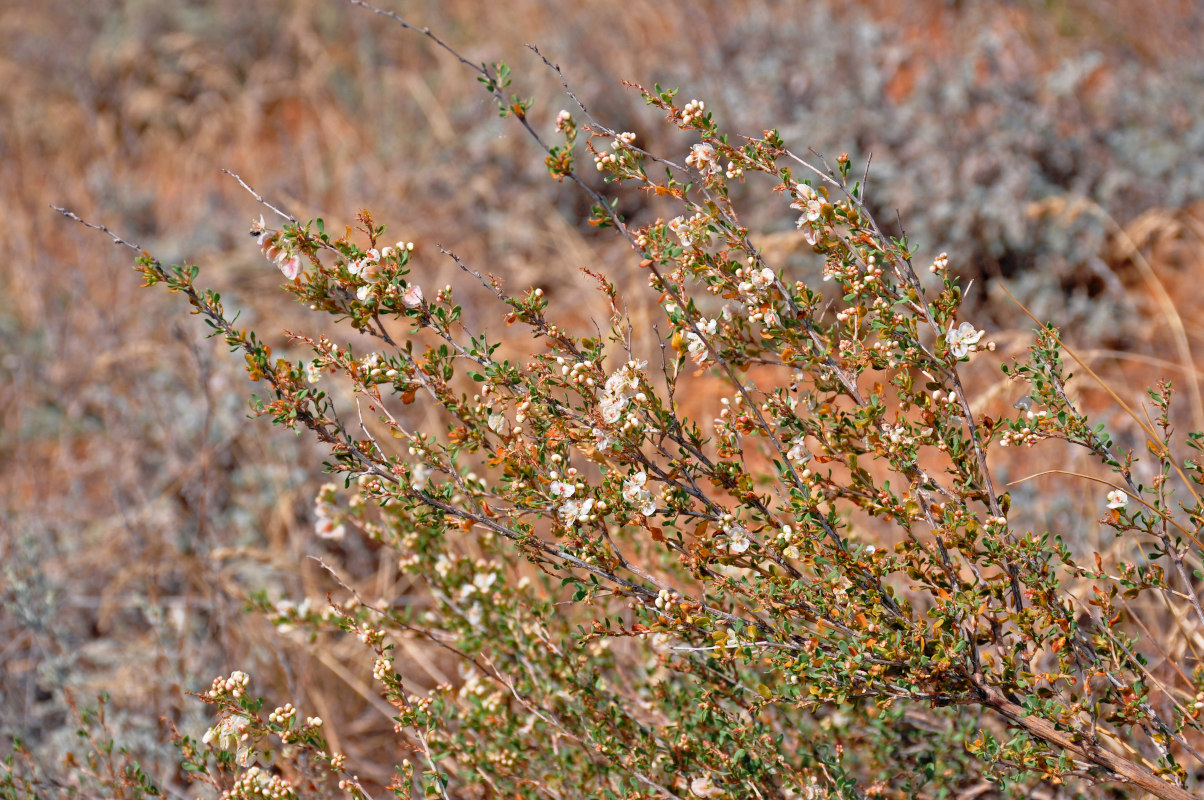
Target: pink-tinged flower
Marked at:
962, 339
1117, 499
763, 278
704, 787
329, 529
290, 266
370, 271
413, 296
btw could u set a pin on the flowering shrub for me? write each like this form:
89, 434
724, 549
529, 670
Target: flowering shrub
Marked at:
818, 592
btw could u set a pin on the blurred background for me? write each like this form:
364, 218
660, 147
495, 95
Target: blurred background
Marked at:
1055, 146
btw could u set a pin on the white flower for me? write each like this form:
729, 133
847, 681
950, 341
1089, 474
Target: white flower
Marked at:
635, 484
707, 326
602, 440
313, 372
635, 493
678, 226
363, 292
1117, 499
626, 380
227, 731
962, 338
562, 489
702, 158
483, 580
798, 450
737, 537
497, 421
419, 476
809, 203
574, 511
612, 408
696, 347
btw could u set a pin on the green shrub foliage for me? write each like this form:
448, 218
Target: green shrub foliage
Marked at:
817, 593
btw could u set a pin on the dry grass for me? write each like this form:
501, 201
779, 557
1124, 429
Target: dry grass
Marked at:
139, 508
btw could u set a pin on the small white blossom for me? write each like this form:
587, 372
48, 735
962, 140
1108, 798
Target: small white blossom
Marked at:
962, 339
1117, 499
602, 440
612, 408
574, 511
562, 490
696, 347
809, 203
702, 158
798, 450
227, 732
419, 476
681, 229
636, 493
737, 537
